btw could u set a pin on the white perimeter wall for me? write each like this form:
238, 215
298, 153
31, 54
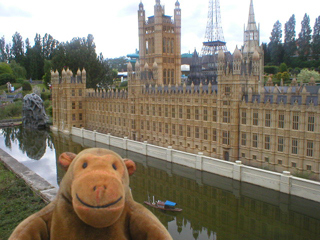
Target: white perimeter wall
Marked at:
282, 182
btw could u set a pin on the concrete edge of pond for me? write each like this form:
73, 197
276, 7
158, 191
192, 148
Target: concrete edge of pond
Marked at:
39, 185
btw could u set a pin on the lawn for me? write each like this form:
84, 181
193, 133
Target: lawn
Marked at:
17, 202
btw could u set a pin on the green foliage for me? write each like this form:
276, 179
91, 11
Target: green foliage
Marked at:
275, 46
45, 96
7, 77
17, 201
286, 77
11, 110
304, 38
283, 68
5, 68
124, 84
80, 53
316, 39
46, 103
277, 78
21, 81
49, 110
18, 71
290, 38
47, 73
3, 53
34, 59
271, 69
48, 107
17, 85
26, 86
303, 174
17, 49
120, 63
305, 75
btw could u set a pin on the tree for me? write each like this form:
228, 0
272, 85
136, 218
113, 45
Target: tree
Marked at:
6, 73
275, 44
8, 51
290, 39
47, 72
5, 68
18, 71
283, 68
304, 38
106, 74
48, 46
3, 54
119, 63
35, 59
305, 75
80, 53
267, 58
59, 57
316, 39
17, 49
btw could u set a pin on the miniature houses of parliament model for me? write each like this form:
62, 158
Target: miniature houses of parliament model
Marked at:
236, 117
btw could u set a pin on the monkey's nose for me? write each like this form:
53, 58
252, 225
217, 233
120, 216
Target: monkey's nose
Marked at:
99, 188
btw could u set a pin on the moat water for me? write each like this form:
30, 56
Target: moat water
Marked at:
214, 207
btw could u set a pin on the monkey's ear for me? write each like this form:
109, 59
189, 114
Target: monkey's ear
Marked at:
65, 159
131, 166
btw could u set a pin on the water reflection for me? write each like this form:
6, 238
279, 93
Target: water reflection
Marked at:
33, 148
213, 207
33, 142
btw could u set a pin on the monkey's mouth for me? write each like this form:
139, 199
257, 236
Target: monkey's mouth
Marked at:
102, 206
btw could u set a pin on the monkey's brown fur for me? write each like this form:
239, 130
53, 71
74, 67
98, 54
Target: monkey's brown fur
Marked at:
94, 202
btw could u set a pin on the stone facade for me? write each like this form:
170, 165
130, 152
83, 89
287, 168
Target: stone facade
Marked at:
238, 118
159, 46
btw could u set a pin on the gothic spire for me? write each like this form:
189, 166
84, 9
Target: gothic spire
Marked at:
251, 20
251, 34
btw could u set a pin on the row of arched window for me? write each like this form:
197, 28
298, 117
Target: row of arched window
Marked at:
168, 76
168, 45
150, 45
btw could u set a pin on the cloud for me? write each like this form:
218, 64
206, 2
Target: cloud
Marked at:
10, 11
128, 10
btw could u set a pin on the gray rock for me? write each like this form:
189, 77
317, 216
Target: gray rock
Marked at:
33, 112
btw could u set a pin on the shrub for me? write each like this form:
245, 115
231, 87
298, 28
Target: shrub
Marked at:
46, 103
277, 78
49, 110
11, 110
20, 80
283, 68
7, 77
124, 84
5, 68
271, 69
26, 86
305, 75
16, 86
45, 96
18, 70
285, 76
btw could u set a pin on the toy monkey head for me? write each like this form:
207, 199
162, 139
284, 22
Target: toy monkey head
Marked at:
97, 185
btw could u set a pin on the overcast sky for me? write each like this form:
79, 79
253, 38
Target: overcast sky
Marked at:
115, 28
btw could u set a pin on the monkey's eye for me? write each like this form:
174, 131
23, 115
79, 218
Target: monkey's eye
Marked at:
114, 166
84, 165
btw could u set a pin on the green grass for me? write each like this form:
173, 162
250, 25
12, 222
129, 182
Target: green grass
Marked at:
17, 202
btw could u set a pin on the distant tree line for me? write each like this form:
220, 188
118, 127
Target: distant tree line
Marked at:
49, 54
296, 52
